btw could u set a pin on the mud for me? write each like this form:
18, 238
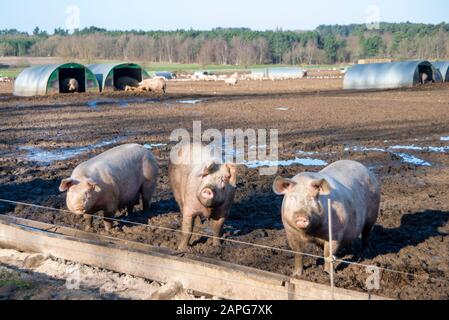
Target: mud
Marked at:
317, 121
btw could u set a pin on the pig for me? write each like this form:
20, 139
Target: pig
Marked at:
231, 81
423, 77
124, 82
70, 85
111, 181
355, 198
157, 84
203, 186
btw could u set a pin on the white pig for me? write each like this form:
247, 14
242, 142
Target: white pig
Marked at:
110, 181
355, 195
203, 187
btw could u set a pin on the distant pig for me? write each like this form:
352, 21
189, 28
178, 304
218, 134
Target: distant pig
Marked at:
423, 77
110, 181
157, 84
231, 81
203, 187
70, 85
355, 197
124, 82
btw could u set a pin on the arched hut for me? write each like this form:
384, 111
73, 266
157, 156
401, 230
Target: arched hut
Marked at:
108, 73
443, 67
49, 78
389, 75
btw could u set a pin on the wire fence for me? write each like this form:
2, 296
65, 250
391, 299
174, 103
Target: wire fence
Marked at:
331, 259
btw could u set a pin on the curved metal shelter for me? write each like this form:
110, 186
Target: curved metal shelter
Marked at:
108, 73
48, 79
443, 67
389, 75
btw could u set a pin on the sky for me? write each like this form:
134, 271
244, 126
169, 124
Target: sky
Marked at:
25, 15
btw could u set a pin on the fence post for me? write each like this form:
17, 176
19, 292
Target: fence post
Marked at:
330, 258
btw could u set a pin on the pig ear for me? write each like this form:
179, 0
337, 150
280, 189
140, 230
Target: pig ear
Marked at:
232, 169
93, 185
66, 184
282, 185
320, 186
207, 169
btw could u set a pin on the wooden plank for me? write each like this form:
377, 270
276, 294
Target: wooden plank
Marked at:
210, 276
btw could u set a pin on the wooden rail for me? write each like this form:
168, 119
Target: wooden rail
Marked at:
205, 275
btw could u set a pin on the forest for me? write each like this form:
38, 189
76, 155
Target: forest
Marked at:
327, 44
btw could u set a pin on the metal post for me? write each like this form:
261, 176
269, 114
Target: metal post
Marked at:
330, 258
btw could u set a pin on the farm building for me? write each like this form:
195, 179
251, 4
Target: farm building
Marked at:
108, 73
49, 78
389, 75
443, 67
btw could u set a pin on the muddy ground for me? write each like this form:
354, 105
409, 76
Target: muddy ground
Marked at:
313, 116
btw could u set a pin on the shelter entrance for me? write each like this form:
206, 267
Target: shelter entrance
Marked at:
427, 70
72, 73
135, 73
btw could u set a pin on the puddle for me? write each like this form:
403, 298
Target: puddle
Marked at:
154, 145
123, 103
408, 158
424, 149
405, 157
95, 103
308, 153
363, 149
192, 101
47, 156
286, 163
282, 109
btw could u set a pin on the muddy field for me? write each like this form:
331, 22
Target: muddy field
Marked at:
402, 135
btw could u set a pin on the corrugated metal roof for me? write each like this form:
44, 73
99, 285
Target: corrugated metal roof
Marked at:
34, 81
443, 66
386, 75
103, 70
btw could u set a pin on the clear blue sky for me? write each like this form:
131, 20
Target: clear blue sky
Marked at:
206, 14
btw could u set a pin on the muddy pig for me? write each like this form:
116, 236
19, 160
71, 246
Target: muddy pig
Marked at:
111, 181
203, 186
156, 84
70, 85
355, 197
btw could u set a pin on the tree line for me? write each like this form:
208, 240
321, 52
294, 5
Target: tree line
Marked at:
327, 44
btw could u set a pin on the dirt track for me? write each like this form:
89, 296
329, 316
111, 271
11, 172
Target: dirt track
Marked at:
311, 115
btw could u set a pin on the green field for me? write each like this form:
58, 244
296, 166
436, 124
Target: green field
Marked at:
14, 71
10, 72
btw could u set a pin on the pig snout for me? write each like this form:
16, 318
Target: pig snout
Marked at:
302, 222
207, 193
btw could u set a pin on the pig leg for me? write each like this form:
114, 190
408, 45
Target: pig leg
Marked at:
298, 246
327, 254
217, 228
130, 209
110, 213
187, 228
87, 222
147, 192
